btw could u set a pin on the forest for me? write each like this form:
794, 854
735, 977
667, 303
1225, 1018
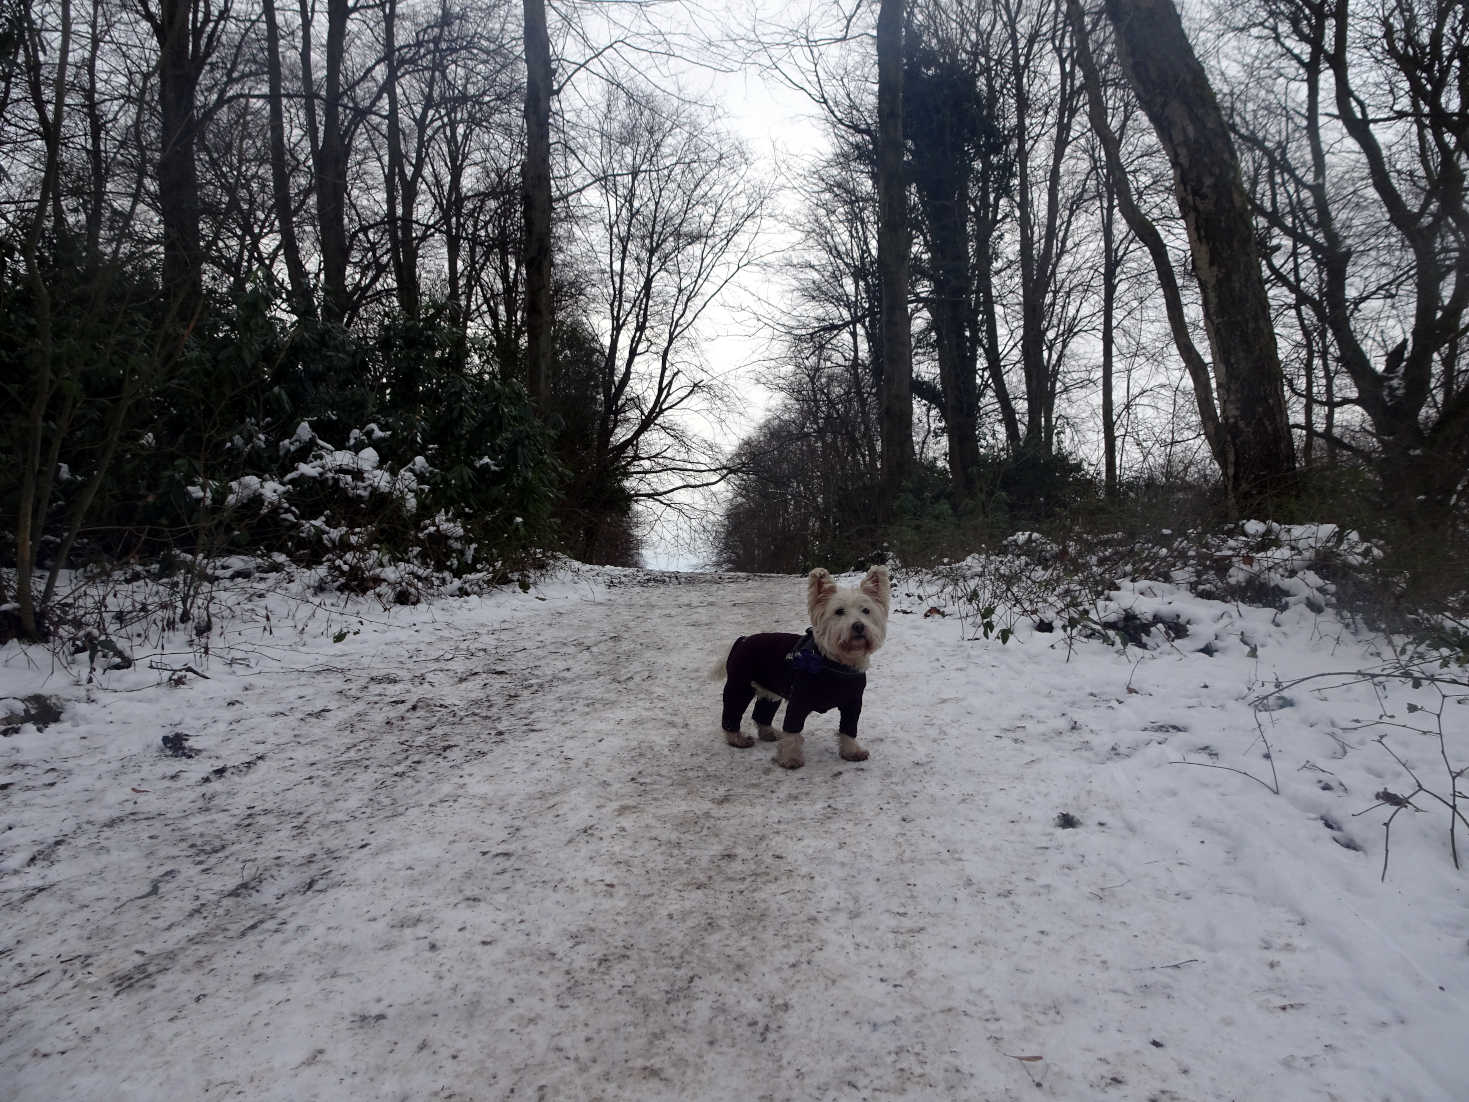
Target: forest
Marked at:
415, 290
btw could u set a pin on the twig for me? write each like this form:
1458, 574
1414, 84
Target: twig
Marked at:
1229, 769
1415, 671
1397, 803
1269, 756
1025, 1062
178, 669
1158, 967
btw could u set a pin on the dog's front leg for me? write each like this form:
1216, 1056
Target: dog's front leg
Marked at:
847, 742
788, 751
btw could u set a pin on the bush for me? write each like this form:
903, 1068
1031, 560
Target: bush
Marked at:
265, 437
353, 451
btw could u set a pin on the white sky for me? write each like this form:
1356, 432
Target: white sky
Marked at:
780, 130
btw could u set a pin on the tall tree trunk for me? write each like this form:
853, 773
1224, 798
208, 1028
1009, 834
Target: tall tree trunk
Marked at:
944, 202
96, 145
536, 203
402, 183
329, 157
1152, 240
955, 348
956, 363
1109, 334
991, 194
1258, 457
990, 344
454, 244
1032, 317
280, 177
179, 65
892, 258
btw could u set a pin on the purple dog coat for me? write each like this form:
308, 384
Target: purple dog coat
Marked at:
790, 666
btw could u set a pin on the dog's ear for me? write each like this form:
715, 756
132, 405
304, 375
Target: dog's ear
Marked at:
876, 586
819, 588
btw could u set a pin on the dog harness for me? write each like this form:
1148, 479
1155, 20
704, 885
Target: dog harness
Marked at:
806, 660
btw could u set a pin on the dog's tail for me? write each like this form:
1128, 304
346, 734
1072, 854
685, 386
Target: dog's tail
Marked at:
720, 669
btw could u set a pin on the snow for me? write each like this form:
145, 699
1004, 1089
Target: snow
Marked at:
302, 437
495, 847
248, 487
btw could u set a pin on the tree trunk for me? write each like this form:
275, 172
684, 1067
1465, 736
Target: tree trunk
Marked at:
1109, 335
178, 177
892, 258
944, 201
96, 145
536, 204
402, 184
300, 285
990, 325
956, 363
329, 156
1258, 455
453, 216
1152, 240
1032, 318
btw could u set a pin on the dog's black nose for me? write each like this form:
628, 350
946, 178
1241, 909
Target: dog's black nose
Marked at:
859, 628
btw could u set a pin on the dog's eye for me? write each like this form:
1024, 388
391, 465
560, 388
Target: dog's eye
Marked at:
840, 612
867, 612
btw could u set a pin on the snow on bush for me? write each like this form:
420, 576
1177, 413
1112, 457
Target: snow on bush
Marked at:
1154, 592
356, 514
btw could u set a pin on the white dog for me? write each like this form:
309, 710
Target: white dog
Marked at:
815, 672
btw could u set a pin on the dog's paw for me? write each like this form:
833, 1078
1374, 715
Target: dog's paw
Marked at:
849, 750
738, 740
788, 754
767, 734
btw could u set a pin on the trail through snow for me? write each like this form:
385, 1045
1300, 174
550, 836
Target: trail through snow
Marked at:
497, 849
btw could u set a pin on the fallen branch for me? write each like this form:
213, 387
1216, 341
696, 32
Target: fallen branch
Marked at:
176, 670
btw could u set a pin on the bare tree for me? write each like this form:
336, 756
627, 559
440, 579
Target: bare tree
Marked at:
1253, 443
951, 137
327, 129
536, 181
1048, 198
38, 459
81, 362
188, 34
1363, 149
280, 173
669, 210
893, 243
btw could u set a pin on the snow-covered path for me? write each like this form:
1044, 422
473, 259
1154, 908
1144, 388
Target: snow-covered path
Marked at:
500, 851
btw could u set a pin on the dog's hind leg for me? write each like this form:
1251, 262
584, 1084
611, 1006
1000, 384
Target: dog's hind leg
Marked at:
764, 714
736, 699
849, 750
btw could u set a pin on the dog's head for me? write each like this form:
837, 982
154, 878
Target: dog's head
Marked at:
848, 623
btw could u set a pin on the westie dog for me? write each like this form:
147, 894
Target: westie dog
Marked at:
815, 672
